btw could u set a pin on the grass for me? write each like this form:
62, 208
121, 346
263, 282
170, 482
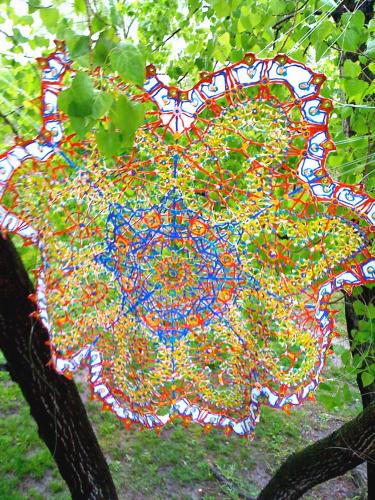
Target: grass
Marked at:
27, 469
175, 465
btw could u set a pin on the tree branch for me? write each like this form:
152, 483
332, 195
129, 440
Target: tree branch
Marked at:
341, 451
172, 34
8, 122
54, 401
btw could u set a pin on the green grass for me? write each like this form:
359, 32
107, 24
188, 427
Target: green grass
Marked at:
27, 469
176, 464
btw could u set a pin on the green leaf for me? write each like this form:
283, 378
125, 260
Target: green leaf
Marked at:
98, 24
371, 311
221, 8
350, 40
81, 125
328, 402
49, 17
320, 34
367, 378
128, 61
357, 290
223, 48
355, 89
103, 47
346, 358
127, 116
77, 101
83, 104
363, 336
224, 40
245, 20
359, 307
108, 141
116, 19
101, 104
79, 6
78, 46
326, 387
351, 69
347, 393
33, 5
26, 20
353, 20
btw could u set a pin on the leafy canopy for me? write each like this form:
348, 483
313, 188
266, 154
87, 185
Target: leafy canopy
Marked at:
182, 38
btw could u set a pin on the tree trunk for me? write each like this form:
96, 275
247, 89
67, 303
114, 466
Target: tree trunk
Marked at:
368, 294
54, 401
344, 449
367, 393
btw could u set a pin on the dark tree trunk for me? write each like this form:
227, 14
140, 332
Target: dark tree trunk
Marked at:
344, 449
54, 400
368, 294
354, 443
367, 393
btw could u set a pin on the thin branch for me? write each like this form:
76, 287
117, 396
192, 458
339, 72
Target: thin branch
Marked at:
12, 37
282, 20
8, 122
292, 27
172, 35
360, 53
166, 40
182, 78
15, 110
129, 26
331, 302
89, 13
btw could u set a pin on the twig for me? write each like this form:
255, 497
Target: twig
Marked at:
12, 37
292, 27
129, 26
360, 53
182, 78
334, 301
42, 6
15, 110
282, 20
89, 12
8, 122
172, 35
166, 40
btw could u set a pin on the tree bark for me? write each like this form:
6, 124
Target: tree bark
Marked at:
54, 400
367, 393
368, 294
341, 451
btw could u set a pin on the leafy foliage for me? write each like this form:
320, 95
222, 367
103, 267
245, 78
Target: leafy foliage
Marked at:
183, 38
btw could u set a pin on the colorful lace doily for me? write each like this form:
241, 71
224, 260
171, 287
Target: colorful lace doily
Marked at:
192, 274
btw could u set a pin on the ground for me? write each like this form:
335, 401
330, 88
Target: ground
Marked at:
180, 463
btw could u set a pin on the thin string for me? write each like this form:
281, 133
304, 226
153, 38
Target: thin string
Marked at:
306, 35
357, 160
343, 32
290, 30
363, 106
342, 174
353, 139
